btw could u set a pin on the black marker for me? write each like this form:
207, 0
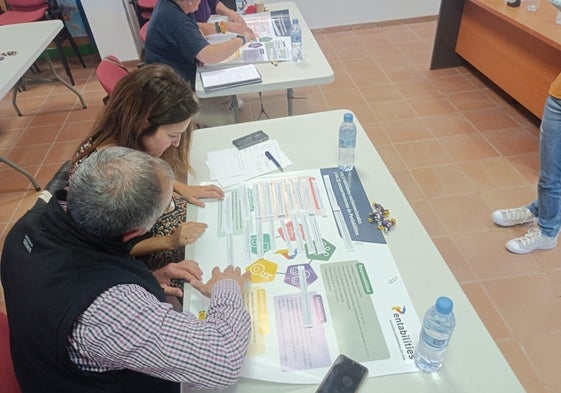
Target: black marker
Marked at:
270, 157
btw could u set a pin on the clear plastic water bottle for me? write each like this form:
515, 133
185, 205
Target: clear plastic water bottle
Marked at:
241, 5
296, 40
347, 143
438, 325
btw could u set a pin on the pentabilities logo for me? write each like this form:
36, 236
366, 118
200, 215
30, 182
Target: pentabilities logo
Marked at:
399, 309
401, 331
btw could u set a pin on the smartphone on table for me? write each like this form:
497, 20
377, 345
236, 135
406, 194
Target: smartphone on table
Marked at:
250, 139
344, 376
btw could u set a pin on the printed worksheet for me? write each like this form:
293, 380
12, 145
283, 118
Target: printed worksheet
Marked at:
323, 280
272, 43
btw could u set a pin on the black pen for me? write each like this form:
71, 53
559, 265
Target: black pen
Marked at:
270, 157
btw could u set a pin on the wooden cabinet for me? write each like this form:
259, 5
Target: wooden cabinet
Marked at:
518, 50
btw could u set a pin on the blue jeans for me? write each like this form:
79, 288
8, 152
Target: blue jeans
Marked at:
548, 205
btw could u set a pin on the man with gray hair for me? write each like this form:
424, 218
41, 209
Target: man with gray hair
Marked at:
86, 316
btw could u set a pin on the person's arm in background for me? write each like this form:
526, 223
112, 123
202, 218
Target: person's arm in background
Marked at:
232, 27
235, 23
231, 4
233, 16
215, 53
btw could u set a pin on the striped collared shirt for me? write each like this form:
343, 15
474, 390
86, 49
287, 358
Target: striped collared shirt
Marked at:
127, 327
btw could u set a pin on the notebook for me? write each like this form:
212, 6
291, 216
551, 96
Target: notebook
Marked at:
230, 77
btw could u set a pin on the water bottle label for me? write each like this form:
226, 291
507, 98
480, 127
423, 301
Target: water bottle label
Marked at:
346, 143
433, 341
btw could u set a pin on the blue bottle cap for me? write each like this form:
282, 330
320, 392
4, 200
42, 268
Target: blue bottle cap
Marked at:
295, 21
444, 305
348, 117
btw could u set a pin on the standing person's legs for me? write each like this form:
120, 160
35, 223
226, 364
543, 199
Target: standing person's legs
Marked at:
549, 184
548, 206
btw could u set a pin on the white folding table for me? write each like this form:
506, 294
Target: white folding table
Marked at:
474, 363
313, 70
28, 41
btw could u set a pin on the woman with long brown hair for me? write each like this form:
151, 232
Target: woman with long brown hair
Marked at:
151, 110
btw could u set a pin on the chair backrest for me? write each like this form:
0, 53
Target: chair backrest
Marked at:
142, 31
147, 3
26, 5
109, 72
7, 376
143, 9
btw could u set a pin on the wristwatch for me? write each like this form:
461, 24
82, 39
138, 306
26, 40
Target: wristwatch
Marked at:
242, 37
220, 27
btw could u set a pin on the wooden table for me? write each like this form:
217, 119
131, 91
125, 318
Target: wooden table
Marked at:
518, 50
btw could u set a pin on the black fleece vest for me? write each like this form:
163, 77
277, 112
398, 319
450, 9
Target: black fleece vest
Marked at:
51, 272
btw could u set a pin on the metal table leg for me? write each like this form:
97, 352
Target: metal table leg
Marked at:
22, 171
56, 77
290, 97
235, 108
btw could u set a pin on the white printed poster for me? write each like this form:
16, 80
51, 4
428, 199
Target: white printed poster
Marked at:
323, 280
272, 43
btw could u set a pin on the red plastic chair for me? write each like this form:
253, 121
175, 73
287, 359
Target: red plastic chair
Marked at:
8, 379
144, 10
109, 72
143, 30
22, 11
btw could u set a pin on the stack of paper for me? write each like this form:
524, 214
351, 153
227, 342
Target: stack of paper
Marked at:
232, 166
230, 77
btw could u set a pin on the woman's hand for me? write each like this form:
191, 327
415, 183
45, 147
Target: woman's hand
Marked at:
241, 28
192, 194
235, 17
186, 233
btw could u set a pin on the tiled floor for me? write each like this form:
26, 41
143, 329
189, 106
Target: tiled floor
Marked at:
457, 147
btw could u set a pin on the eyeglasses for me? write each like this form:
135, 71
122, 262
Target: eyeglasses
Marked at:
3, 55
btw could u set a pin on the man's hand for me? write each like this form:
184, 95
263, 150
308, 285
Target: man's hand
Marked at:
230, 273
186, 233
185, 270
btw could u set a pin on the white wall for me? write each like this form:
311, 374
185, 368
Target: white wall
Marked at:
115, 29
328, 13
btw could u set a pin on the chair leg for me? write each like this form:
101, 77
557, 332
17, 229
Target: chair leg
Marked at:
62, 55
35, 67
74, 46
55, 12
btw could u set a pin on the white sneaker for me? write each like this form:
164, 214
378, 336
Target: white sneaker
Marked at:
533, 240
511, 217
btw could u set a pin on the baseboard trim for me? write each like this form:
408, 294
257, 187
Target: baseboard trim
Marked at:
370, 25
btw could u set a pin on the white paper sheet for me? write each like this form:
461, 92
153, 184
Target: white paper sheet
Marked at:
232, 166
